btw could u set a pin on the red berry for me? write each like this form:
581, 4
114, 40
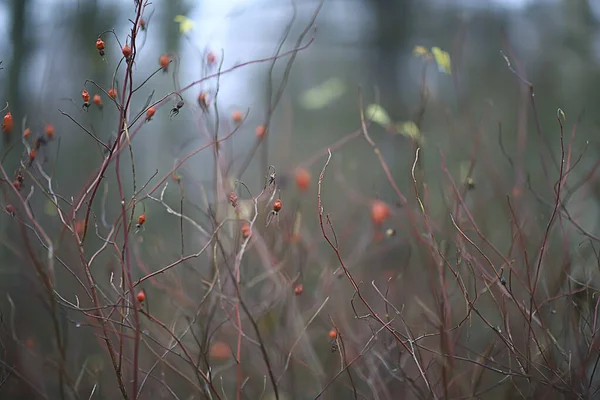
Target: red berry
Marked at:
333, 334
85, 96
7, 125
112, 93
126, 50
100, 44
150, 113
10, 209
80, 226
203, 100
233, 199
219, 351
164, 62
380, 212
277, 205
97, 100
261, 131
237, 116
49, 131
302, 179
298, 289
141, 296
246, 231
211, 58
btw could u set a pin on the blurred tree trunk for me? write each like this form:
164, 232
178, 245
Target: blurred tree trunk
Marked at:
393, 32
21, 49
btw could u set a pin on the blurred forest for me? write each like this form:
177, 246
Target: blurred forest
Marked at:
360, 46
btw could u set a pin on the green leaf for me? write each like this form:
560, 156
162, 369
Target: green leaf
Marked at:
442, 59
323, 95
377, 114
409, 129
185, 24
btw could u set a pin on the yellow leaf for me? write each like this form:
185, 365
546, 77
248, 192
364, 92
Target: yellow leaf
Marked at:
409, 129
267, 322
185, 24
321, 96
50, 209
562, 114
464, 170
420, 51
377, 114
442, 59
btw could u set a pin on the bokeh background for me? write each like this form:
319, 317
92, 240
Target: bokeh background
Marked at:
47, 52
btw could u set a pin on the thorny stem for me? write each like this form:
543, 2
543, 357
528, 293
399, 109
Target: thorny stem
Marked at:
560, 184
125, 256
92, 187
238, 261
357, 290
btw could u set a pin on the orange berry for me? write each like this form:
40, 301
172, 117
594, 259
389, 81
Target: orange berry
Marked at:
298, 289
219, 351
85, 96
126, 50
379, 212
49, 131
237, 116
246, 231
261, 131
211, 58
112, 93
333, 334
302, 179
141, 296
164, 62
27, 133
150, 113
97, 100
277, 205
100, 44
7, 125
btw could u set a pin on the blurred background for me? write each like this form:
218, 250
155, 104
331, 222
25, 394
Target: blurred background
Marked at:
47, 58
47, 53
